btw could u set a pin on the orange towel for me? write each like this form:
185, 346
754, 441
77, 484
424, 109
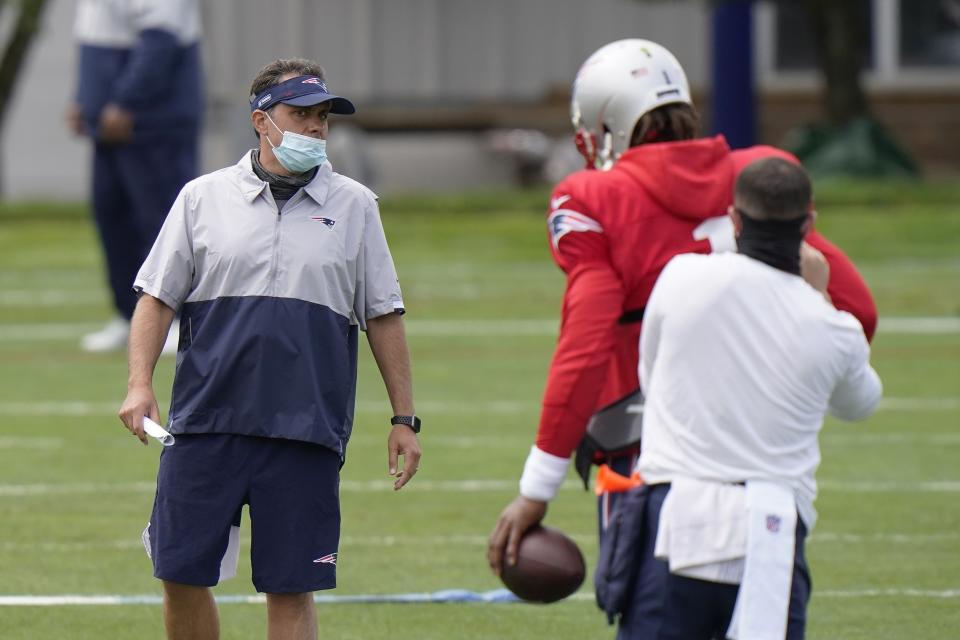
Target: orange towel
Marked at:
609, 481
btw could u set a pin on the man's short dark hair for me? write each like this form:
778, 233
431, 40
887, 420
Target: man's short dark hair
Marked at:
773, 189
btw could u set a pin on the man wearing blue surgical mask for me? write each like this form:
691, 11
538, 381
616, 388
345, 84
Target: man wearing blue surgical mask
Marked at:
275, 264
299, 153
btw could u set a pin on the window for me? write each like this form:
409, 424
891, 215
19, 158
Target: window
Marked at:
930, 34
909, 43
795, 47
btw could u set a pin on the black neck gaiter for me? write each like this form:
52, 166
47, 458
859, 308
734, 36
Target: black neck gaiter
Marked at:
772, 242
282, 187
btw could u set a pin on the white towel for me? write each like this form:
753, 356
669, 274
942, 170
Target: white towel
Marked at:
703, 530
764, 597
231, 557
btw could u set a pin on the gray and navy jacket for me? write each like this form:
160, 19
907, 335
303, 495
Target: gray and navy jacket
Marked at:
271, 302
143, 55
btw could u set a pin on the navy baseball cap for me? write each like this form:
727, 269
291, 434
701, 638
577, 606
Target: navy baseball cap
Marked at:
302, 91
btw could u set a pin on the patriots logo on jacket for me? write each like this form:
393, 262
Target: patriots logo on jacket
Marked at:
326, 221
563, 221
330, 558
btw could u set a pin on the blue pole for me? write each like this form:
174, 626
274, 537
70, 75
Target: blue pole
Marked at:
733, 108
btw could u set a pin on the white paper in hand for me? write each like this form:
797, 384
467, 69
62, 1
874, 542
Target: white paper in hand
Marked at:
153, 429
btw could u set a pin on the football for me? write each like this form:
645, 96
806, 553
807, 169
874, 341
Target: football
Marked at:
549, 566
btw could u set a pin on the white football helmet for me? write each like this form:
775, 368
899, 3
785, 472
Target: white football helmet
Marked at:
614, 88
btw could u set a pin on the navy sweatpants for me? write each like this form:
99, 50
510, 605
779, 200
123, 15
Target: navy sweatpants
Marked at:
665, 606
134, 186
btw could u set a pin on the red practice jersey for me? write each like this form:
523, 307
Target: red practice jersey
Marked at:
612, 232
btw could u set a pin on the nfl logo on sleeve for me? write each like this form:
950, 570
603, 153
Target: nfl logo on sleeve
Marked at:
773, 524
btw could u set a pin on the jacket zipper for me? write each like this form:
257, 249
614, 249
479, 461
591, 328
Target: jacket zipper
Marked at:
275, 255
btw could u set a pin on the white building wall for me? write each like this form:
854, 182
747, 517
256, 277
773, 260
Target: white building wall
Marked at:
375, 52
41, 159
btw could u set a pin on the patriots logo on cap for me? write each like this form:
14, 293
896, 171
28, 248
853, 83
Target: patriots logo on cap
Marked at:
330, 558
316, 81
326, 221
265, 99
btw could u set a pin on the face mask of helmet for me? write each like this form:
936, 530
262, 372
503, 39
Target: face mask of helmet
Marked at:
615, 87
298, 153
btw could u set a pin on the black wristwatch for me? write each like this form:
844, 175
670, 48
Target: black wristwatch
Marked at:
411, 421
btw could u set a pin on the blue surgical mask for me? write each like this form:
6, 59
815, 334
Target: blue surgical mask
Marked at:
298, 153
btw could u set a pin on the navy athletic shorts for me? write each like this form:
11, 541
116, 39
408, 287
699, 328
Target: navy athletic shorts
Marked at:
292, 489
665, 606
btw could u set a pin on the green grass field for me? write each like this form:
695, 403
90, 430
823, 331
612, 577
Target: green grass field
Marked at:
483, 295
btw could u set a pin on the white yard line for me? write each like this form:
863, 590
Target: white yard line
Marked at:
74, 488
70, 547
931, 486
348, 486
40, 332
502, 407
885, 538
67, 408
448, 486
30, 442
461, 540
918, 325
919, 404
831, 437
483, 328
50, 298
932, 594
454, 328
81, 408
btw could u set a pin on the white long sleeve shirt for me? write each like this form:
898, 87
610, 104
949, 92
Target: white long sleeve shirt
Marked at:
739, 364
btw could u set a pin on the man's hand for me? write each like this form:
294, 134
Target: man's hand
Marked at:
403, 442
116, 125
140, 401
519, 515
814, 268
74, 119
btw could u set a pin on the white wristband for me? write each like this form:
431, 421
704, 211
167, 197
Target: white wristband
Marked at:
542, 476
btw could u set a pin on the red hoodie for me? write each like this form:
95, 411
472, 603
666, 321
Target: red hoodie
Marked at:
612, 232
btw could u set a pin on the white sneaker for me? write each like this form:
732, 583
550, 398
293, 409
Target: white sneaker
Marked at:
173, 339
113, 337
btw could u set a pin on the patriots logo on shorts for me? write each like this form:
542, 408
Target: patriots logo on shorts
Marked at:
326, 221
330, 558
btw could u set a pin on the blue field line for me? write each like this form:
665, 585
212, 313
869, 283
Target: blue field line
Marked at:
497, 596
453, 596
447, 595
